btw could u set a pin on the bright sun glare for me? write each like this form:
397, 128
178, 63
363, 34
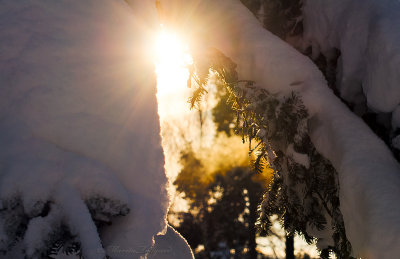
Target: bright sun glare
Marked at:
172, 59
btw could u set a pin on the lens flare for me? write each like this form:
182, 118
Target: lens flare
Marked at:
172, 59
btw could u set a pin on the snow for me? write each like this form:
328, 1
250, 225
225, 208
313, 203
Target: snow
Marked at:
170, 246
396, 118
78, 118
368, 174
366, 33
299, 158
38, 230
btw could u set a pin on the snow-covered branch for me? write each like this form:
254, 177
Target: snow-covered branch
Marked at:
369, 176
79, 131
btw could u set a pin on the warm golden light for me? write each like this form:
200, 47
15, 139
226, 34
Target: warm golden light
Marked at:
172, 59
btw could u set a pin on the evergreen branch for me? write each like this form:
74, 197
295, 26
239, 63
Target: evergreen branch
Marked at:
275, 124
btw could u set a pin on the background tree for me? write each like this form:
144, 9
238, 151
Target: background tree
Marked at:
222, 190
224, 118
223, 206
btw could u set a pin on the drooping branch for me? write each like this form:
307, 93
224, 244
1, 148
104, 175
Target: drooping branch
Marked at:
304, 192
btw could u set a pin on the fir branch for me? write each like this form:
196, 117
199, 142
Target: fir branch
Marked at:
275, 123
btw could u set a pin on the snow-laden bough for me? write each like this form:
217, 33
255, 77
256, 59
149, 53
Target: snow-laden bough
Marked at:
81, 157
368, 174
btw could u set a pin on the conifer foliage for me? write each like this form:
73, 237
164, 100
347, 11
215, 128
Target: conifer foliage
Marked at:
304, 192
47, 242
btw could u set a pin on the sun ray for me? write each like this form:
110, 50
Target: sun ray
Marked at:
172, 59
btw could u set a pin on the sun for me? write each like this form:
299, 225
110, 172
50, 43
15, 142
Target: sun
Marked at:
172, 59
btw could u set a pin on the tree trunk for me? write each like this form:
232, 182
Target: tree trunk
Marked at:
290, 247
253, 199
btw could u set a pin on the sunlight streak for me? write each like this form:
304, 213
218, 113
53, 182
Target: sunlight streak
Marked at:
172, 59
